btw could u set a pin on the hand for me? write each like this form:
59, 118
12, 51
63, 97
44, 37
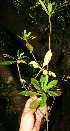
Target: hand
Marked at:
31, 118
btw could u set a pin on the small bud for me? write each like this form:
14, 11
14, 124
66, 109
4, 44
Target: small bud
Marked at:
45, 72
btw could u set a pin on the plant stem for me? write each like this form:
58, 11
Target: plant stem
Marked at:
49, 49
34, 57
20, 78
38, 73
50, 33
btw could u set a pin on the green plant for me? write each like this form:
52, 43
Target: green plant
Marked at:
43, 87
40, 85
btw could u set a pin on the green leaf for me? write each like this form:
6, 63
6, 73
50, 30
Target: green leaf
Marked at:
21, 55
6, 55
47, 1
44, 88
58, 92
28, 93
24, 31
44, 7
43, 100
47, 58
35, 64
28, 36
43, 80
52, 84
35, 83
34, 104
40, 91
49, 7
24, 35
29, 47
54, 6
7, 62
52, 93
53, 3
21, 61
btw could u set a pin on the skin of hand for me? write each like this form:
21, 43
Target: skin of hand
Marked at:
31, 118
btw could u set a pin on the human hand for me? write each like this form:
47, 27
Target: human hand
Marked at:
31, 118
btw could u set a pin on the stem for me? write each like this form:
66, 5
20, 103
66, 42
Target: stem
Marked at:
34, 57
20, 78
35, 77
38, 73
49, 49
50, 32
47, 125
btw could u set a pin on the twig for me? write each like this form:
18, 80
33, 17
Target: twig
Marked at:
20, 78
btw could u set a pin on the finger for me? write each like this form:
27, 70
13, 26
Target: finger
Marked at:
40, 113
48, 108
27, 105
43, 110
37, 126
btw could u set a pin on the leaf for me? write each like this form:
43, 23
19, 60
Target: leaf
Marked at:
21, 61
43, 100
47, 1
35, 83
24, 31
34, 104
52, 93
53, 3
44, 7
29, 33
43, 80
7, 62
24, 35
47, 58
6, 55
21, 55
40, 91
44, 88
28, 36
52, 84
28, 93
29, 47
35, 64
58, 92
49, 7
